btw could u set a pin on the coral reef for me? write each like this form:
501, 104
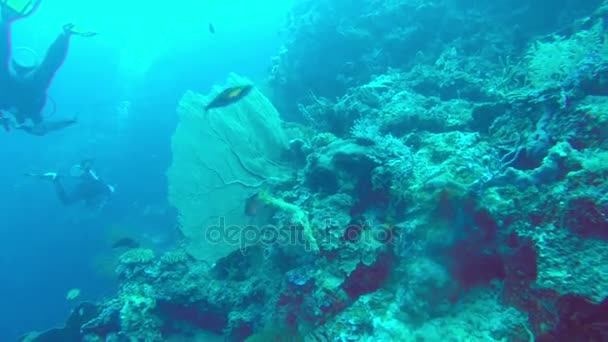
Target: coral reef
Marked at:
446, 180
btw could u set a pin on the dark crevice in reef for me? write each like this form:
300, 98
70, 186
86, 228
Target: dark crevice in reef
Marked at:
587, 218
366, 279
368, 197
474, 259
234, 267
578, 319
322, 179
475, 268
198, 315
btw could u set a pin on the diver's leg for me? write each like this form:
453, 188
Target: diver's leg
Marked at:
5, 41
45, 127
42, 76
55, 56
65, 197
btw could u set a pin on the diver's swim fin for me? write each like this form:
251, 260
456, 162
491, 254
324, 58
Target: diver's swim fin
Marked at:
52, 176
20, 8
78, 31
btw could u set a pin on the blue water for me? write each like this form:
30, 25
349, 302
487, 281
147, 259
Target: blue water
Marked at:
47, 249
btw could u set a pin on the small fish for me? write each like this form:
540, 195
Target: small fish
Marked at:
229, 96
72, 294
252, 204
125, 243
211, 28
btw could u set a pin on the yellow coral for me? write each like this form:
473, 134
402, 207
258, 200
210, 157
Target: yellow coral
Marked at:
298, 215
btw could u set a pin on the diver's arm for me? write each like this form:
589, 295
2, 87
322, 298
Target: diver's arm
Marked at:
57, 125
28, 115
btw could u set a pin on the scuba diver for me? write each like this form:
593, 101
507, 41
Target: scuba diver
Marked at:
23, 89
89, 188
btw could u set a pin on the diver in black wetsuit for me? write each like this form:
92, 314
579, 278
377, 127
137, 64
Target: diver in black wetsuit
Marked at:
23, 90
89, 188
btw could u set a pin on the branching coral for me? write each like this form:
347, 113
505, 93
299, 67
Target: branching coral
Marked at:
550, 63
508, 79
174, 257
389, 151
387, 146
137, 256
